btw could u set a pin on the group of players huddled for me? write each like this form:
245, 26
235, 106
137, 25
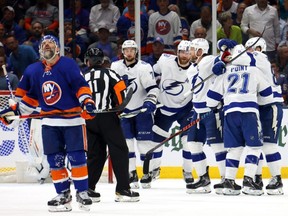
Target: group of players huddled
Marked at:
234, 94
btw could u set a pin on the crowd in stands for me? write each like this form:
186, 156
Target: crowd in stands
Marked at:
106, 24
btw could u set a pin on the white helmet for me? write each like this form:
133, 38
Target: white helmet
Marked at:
260, 43
129, 44
200, 43
184, 45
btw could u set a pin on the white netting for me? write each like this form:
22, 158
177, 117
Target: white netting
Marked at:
15, 159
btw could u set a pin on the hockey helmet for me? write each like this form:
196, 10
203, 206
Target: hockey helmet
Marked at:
200, 43
129, 44
95, 56
260, 43
49, 38
184, 45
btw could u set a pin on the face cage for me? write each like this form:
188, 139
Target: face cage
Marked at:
41, 52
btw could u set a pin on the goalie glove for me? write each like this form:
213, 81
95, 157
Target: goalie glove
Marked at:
89, 109
150, 103
11, 111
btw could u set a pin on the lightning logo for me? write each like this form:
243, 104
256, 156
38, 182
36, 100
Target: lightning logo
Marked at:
172, 87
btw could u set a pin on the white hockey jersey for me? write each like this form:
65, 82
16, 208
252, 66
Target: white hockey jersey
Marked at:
261, 61
139, 77
204, 69
173, 84
239, 87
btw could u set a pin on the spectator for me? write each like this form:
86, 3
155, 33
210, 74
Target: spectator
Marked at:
45, 13
126, 27
2, 33
81, 19
165, 24
104, 13
227, 5
237, 20
282, 57
20, 7
185, 28
108, 48
227, 29
262, 16
69, 38
193, 9
200, 32
12, 77
37, 32
143, 7
11, 27
21, 55
204, 21
157, 50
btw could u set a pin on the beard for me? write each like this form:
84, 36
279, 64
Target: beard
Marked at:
48, 54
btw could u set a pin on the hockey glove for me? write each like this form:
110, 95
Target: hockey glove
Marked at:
225, 44
89, 109
11, 111
219, 68
149, 106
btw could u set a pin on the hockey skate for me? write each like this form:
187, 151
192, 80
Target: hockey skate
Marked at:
126, 196
251, 188
83, 200
201, 186
133, 179
61, 203
258, 180
155, 174
146, 180
94, 196
219, 187
188, 178
275, 186
231, 188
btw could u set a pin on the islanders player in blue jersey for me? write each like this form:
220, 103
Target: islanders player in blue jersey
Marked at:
57, 86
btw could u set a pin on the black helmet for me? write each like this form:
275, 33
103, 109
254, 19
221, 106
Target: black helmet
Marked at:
95, 56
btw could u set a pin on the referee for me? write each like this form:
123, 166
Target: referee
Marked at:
105, 130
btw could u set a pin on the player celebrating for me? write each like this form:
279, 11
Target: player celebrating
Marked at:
209, 129
170, 72
105, 130
239, 87
57, 86
139, 76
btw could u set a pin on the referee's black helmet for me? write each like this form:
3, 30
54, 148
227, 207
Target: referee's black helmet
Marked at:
95, 56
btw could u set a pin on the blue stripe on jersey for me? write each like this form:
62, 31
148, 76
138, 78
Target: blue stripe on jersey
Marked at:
151, 87
266, 92
252, 159
253, 60
277, 95
174, 110
232, 163
199, 105
273, 157
214, 95
241, 105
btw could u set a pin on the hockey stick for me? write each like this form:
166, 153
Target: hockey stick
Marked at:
114, 109
149, 154
233, 59
132, 114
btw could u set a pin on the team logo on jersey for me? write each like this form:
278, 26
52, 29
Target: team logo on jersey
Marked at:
163, 27
172, 87
51, 92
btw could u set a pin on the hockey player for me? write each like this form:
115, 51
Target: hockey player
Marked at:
57, 86
209, 129
239, 87
170, 72
139, 76
105, 130
270, 116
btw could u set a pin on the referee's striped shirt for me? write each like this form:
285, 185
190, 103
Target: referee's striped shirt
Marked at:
107, 87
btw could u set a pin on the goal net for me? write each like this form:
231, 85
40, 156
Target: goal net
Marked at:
21, 151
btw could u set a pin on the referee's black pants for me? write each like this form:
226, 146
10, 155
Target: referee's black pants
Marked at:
103, 130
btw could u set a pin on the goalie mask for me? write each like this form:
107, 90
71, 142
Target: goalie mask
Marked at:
95, 56
261, 43
49, 47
